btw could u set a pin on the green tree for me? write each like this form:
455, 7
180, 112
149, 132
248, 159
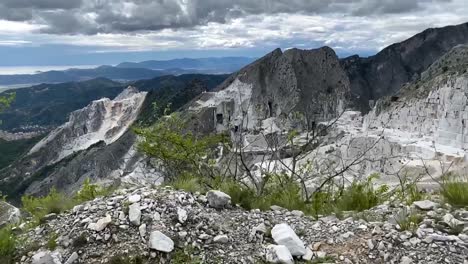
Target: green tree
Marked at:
180, 151
5, 101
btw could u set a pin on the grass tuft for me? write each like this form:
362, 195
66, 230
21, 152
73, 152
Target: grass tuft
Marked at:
454, 189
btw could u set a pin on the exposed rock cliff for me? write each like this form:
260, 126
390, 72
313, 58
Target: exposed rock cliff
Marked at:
279, 85
101, 128
385, 73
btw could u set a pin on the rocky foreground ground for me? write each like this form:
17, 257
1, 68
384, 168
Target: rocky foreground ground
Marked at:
166, 226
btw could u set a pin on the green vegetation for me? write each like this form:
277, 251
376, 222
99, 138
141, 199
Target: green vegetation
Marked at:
361, 196
39, 207
408, 220
56, 202
52, 242
184, 256
7, 245
454, 189
12, 150
90, 192
180, 151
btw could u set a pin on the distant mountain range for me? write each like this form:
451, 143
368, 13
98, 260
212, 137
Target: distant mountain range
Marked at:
130, 71
205, 65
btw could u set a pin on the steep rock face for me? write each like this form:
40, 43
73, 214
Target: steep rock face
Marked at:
310, 82
424, 127
94, 143
103, 120
385, 73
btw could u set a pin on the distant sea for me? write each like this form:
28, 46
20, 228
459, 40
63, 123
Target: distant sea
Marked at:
9, 70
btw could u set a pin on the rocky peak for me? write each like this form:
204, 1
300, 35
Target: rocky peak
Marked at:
384, 74
277, 86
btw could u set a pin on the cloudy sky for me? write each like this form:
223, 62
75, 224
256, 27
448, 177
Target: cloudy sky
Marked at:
76, 32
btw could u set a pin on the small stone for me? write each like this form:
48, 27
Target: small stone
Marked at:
370, 244
222, 239
142, 230
72, 259
157, 216
297, 213
102, 223
181, 215
134, 198
134, 214
425, 205
218, 199
406, 260
160, 242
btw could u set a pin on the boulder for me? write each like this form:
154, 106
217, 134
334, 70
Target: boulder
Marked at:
284, 235
278, 254
46, 257
160, 242
218, 199
134, 214
425, 205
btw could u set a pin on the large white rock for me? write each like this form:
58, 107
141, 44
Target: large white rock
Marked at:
8, 214
218, 199
134, 214
278, 254
160, 242
102, 223
425, 205
47, 257
284, 235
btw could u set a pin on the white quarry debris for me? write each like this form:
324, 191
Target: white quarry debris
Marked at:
278, 254
160, 242
47, 257
134, 198
284, 235
181, 215
218, 199
425, 205
235, 235
102, 120
101, 223
134, 214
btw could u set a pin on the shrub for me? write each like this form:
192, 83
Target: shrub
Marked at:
90, 192
180, 151
184, 256
408, 220
188, 183
39, 207
52, 242
454, 189
7, 245
361, 196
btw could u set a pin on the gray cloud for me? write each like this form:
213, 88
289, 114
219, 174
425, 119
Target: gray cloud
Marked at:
120, 16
